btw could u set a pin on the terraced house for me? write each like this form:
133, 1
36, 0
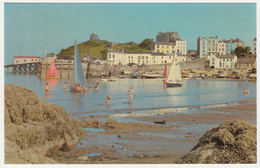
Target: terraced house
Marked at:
153, 58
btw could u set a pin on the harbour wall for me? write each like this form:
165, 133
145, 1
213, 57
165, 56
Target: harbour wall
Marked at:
91, 70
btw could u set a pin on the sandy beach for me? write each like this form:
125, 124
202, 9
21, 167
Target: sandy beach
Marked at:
144, 141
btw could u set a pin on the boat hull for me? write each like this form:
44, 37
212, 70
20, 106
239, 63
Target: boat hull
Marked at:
174, 84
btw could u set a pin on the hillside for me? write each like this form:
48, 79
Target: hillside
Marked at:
99, 50
95, 48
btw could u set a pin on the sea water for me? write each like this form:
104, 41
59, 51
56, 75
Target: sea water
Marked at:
150, 96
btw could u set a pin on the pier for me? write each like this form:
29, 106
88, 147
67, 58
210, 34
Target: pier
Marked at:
24, 68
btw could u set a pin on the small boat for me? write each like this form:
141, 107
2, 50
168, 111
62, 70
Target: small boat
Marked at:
134, 74
77, 74
52, 72
151, 75
109, 80
174, 79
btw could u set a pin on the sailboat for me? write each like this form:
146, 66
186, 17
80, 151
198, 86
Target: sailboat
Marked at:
164, 73
77, 80
52, 71
174, 79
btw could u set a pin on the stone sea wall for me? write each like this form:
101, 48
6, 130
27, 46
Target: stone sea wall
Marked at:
91, 70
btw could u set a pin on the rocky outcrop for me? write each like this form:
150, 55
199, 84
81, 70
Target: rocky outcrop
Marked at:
35, 126
231, 142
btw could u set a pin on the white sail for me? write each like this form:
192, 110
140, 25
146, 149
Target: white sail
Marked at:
175, 72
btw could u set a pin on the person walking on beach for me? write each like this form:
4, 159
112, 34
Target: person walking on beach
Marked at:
65, 87
108, 98
47, 88
131, 94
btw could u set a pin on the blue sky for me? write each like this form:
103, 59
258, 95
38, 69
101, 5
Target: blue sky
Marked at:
31, 27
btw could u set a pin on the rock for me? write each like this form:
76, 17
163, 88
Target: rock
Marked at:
231, 142
111, 124
35, 125
84, 158
64, 147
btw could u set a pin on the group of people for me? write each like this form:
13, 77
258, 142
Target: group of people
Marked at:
130, 92
78, 88
246, 91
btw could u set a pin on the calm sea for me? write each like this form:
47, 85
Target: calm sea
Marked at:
149, 94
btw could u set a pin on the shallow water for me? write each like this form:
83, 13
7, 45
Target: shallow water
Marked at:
150, 95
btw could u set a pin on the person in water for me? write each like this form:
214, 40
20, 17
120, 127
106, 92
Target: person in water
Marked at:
108, 98
246, 91
89, 89
131, 94
164, 83
96, 87
65, 87
47, 88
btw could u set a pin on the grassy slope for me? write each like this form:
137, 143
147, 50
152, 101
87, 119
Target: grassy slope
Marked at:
98, 49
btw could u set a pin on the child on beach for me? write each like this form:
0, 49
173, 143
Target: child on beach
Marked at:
131, 94
108, 98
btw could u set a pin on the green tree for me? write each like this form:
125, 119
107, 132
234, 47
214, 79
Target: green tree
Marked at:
145, 44
240, 51
247, 50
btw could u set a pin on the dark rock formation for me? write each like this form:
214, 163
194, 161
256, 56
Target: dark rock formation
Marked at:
35, 126
232, 142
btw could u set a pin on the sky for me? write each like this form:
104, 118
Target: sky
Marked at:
30, 27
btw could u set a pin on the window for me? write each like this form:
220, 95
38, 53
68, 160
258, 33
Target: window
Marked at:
32, 59
162, 57
109, 56
146, 57
142, 57
24, 60
113, 55
170, 57
128, 57
132, 57
158, 46
16, 61
157, 50
138, 57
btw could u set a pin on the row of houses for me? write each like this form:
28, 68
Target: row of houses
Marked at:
206, 46
215, 61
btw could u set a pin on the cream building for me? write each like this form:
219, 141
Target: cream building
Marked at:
161, 47
180, 47
221, 48
222, 61
254, 46
123, 58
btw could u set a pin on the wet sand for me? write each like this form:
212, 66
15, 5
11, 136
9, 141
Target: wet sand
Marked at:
144, 141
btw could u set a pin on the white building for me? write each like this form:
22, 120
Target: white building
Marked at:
26, 59
123, 58
221, 48
180, 47
222, 61
254, 46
